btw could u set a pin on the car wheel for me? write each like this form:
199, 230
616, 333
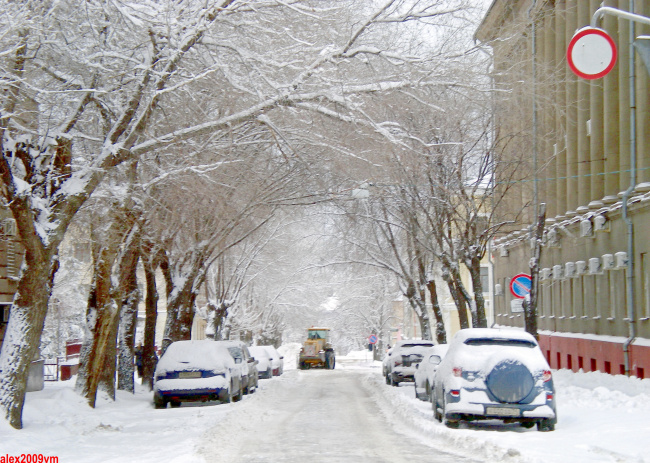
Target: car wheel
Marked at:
269, 373
545, 425
240, 394
174, 404
393, 382
225, 396
328, 361
159, 401
436, 413
453, 424
388, 379
528, 424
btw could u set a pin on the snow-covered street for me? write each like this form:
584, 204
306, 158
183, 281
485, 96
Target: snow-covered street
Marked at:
348, 414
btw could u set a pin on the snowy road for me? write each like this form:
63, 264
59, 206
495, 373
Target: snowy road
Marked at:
315, 416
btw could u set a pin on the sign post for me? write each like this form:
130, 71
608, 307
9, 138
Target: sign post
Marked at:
372, 340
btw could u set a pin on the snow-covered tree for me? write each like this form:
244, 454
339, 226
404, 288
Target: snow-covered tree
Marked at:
89, 85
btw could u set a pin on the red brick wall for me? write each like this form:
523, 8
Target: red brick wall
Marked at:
594, 355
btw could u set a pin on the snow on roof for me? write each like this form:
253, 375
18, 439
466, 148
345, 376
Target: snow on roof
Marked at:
499, 333
258, 351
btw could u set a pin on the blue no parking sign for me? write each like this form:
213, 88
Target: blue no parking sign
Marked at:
520, 285
372, 339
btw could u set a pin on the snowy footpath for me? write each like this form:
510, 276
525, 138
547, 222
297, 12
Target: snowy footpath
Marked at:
602, 418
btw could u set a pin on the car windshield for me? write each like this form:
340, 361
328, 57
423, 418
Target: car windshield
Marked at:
236, 352
499, 342
318, 334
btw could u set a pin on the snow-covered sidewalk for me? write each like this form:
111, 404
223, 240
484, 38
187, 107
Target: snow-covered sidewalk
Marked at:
602, 418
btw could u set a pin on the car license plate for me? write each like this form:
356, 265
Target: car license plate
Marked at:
497, 411
189, 374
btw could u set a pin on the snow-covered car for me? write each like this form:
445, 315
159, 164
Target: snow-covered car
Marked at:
403, 357
247, 365
426, 369
264, 368
277, 360
385, 364
191, 371
493, 373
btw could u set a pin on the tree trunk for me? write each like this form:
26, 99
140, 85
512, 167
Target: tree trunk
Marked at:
459, 300
151, 314
530, 307
101, 316
128, 321
100, 362
419, 308
180, 314
479, 320
441, 333
23, 334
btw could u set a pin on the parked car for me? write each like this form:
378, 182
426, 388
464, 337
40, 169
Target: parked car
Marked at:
277, 360
402, 359
495, 374
385, 364
264, 368
192, 371
248, 364
426, 369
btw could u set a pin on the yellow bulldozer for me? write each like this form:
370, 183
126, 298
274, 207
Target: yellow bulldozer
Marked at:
317, 352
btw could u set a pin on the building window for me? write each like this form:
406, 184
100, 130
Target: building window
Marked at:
556, 309
618, 293
602, 294
566, 309
4, 313
579, 299
485, 278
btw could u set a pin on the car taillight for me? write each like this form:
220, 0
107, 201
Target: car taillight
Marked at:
454, 393
549, 396
457, 371
546, 375
398, 362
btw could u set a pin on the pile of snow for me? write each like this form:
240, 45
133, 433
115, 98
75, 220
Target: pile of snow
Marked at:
290, 353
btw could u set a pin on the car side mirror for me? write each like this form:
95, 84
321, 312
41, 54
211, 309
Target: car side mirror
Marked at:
281, 357
238, 360
417, 366
434, 360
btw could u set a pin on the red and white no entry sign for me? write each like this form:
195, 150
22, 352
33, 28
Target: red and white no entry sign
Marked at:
591, 53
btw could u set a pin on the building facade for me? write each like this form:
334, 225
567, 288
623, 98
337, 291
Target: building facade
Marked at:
581, 147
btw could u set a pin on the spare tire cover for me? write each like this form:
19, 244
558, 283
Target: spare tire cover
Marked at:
510, 381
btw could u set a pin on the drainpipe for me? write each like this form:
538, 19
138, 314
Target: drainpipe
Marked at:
631, 316
534, 70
